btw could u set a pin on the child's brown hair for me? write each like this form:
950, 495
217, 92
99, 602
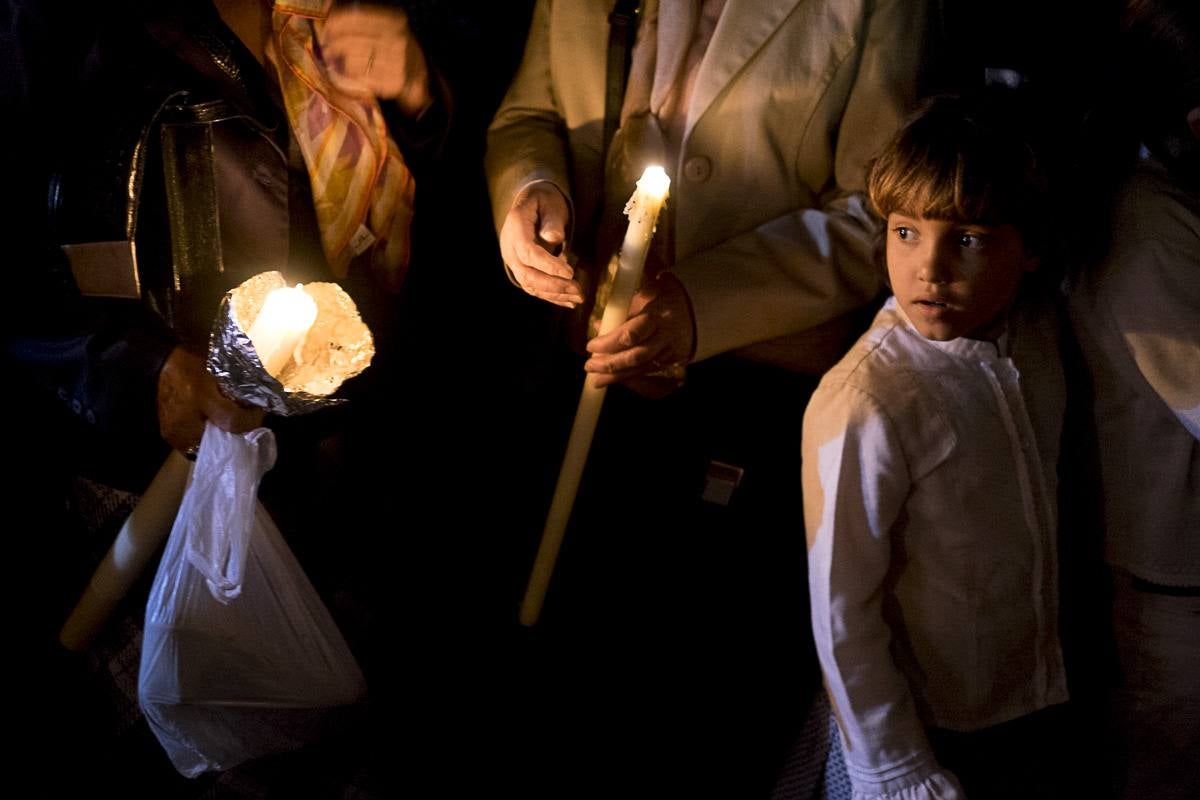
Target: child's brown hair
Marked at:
967, 159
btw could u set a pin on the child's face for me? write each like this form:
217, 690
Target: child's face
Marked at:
954, 278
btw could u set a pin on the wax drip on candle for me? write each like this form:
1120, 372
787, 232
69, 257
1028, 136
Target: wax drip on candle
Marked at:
280, 327
654, 182
642, 209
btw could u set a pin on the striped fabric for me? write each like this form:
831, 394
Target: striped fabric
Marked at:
362, 189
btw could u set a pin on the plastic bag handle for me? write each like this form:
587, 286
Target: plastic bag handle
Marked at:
228, 470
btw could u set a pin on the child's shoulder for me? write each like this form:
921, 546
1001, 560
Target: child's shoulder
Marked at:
882, 356
886, 382
884, 374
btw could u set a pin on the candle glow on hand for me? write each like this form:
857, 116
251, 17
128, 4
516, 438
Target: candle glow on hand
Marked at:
280, 327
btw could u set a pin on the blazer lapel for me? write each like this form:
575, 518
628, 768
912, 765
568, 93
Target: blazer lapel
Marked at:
676, 20
744, 27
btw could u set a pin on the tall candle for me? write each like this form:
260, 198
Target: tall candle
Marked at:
281, 326
138, 540
643, 210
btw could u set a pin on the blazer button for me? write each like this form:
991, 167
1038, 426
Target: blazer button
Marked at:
697, 169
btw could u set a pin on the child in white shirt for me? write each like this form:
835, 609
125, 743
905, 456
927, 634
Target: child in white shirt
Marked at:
929, 461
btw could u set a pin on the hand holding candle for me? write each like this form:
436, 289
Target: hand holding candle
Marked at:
653, 344
657, 338
188, 397
312, 336
643, 210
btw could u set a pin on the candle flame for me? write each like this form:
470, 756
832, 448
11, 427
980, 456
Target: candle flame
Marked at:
654, 181
280, 327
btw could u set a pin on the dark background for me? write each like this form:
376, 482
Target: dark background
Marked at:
463, 429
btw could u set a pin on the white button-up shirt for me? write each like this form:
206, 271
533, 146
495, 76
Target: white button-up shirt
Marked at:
929, 498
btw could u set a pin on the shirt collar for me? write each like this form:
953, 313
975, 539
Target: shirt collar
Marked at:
962, 347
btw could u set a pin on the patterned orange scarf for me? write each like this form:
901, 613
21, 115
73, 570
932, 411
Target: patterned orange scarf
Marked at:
362, 189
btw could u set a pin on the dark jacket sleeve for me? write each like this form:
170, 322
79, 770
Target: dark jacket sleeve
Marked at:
97, 360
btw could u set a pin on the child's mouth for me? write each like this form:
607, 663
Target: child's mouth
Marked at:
928, 308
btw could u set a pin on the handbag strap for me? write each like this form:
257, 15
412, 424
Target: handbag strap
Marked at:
622, 25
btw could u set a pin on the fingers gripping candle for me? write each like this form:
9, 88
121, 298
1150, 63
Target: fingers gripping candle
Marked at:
643, 210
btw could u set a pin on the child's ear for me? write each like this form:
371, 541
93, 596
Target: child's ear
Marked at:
1032, 261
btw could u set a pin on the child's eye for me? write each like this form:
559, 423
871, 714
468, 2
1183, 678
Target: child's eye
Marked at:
903, 232
971, 241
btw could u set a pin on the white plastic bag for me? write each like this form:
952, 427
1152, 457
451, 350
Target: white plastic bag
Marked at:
240, 657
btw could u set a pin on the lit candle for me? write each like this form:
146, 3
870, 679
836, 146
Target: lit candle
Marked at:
281, 326
643, 209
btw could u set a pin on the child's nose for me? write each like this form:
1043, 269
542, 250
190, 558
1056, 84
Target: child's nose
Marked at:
936, 265
935, 268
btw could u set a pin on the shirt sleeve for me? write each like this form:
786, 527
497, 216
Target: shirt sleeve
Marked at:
1152, 301
527, 138
856, 480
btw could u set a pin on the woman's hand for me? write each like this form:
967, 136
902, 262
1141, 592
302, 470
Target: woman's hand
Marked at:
372, 48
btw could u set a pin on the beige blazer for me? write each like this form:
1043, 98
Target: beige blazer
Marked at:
792, 98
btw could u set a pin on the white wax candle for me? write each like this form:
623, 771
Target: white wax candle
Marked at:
643, 209
138, 540
281, 326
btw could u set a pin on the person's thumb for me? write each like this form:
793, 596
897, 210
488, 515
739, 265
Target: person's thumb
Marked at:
552, 232
230, 416
552, 224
